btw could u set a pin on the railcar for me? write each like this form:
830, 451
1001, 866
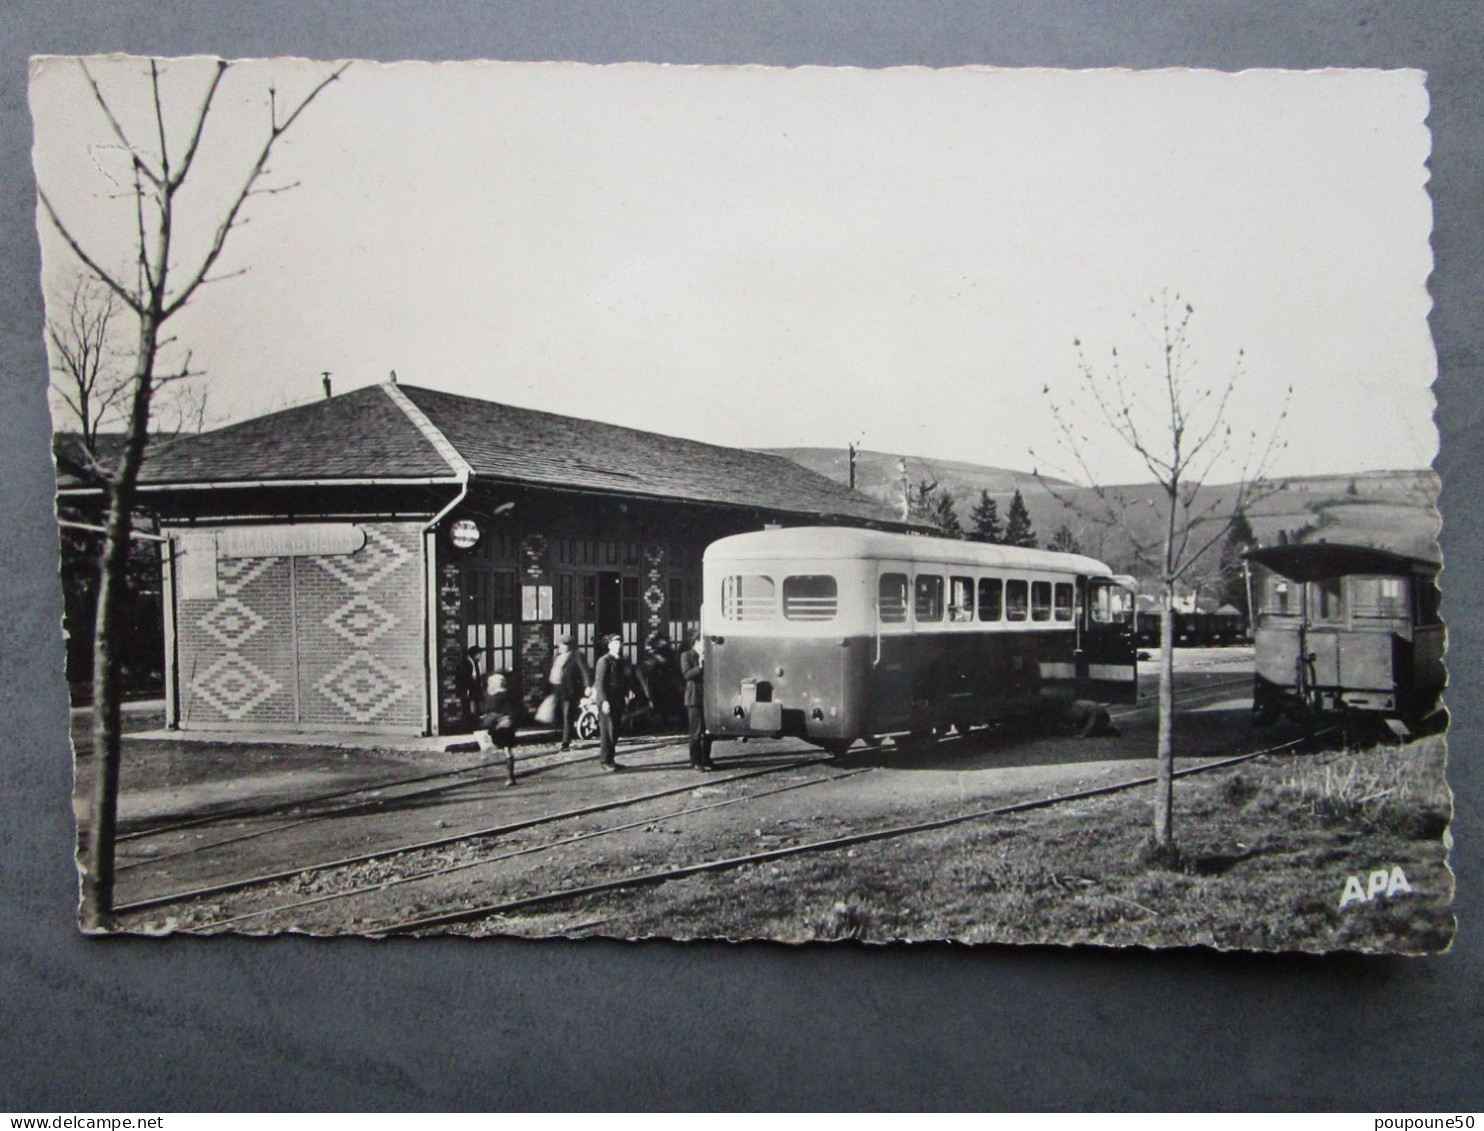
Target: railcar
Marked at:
832, 634
1349, 629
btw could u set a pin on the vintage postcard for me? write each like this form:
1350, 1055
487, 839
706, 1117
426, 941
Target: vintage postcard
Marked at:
748, 503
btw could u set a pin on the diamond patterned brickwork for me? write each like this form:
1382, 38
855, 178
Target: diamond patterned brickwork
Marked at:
322, 642
236, 655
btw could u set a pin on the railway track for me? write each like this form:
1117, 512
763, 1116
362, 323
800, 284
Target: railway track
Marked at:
830, 844
300, 803
368, 798
358, 801
504, 829
527, 850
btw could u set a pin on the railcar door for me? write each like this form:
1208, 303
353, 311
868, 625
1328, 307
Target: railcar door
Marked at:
890, 705
1107, 670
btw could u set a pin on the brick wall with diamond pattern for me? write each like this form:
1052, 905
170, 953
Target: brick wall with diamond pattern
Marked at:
323, 642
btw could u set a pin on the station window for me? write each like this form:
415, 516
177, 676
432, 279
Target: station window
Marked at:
927, 605
991, 598
747, 597
1017, 600
1062, 600
1040, 600
960, 599
1383, 598
812, 596
891, 598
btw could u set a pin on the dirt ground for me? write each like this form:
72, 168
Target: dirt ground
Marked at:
306, 822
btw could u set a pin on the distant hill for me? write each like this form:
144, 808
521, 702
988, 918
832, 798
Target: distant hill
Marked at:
879, 473
1394, 510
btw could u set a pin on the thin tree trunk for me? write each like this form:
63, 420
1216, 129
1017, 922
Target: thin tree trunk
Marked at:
98, 863
1164, 766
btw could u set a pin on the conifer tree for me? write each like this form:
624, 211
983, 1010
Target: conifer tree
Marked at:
1018, 528
985, 518
945, 517
1233, 576
1064, 541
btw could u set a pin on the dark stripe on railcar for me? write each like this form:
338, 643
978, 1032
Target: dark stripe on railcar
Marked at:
838, 688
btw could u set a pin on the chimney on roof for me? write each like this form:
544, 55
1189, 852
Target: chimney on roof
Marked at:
325, 378
394, 376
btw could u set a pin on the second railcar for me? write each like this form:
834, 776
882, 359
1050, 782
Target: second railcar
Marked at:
834, 634
1343, 628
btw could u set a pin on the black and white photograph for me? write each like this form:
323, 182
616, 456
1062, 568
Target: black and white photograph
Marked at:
633, 501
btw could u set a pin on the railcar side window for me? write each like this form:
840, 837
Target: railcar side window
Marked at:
928, 605
960, 599
991, 598
1383, 598
810, 596
747, 596
1017, 600
891, 598
1040, 600
1062, 603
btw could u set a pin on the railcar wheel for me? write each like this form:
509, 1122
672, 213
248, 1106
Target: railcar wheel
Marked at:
835, 747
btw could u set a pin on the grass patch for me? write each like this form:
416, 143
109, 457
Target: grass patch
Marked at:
1264, 853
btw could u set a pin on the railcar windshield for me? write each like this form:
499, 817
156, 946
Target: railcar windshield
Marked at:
1110, 604
811, 596
748, 597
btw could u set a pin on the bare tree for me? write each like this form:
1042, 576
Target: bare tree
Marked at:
153, 290
1177, 422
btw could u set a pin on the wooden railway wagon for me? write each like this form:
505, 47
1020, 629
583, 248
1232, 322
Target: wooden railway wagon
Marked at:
837, 634
1345, 629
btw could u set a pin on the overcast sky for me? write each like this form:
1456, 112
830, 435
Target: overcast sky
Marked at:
764, 257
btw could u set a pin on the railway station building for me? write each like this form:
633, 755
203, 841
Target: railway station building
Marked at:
328, 565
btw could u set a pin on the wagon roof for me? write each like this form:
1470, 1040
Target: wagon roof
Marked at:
1316, 561
822, 542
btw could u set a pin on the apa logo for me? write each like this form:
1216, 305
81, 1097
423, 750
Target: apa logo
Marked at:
1380, 884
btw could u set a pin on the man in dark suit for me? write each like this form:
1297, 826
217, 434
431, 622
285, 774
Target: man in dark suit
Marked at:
611, 689
570, 679
468, 682
692, 667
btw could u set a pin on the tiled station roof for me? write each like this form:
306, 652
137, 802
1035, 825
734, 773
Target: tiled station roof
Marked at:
368, 435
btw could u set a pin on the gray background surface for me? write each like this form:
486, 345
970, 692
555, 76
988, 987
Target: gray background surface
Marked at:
183, 1024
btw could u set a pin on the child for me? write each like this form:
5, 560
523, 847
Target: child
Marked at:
499, 719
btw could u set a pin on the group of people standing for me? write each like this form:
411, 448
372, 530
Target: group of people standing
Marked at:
489, 703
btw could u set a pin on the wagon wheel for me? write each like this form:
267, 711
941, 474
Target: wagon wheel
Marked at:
1265, 715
